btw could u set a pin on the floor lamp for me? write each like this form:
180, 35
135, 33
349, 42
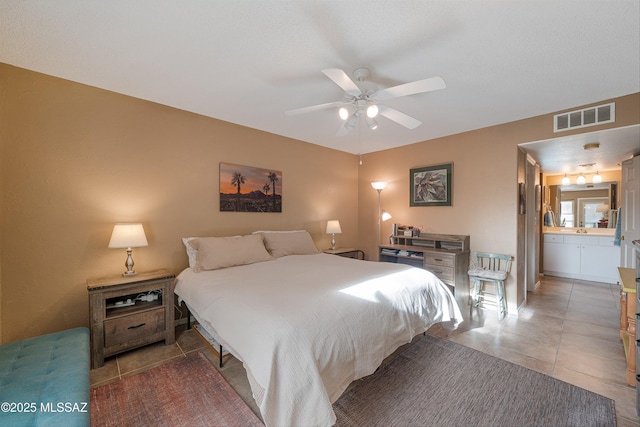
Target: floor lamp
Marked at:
379, 186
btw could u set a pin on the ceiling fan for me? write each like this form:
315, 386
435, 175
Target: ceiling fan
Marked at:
362, 102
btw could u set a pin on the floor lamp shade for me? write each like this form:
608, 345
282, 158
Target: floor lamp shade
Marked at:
379, 186
128, 236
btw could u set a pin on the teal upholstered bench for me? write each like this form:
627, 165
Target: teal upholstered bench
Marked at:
44, 380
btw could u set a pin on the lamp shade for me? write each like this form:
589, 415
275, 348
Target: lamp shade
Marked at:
379, 185
602, 208
385, 215
581, 180
333, 227
127, 236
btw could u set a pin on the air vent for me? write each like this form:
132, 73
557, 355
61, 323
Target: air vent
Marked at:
586, 117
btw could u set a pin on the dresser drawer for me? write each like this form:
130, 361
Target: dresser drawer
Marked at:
438, 260
132, 327
443, 273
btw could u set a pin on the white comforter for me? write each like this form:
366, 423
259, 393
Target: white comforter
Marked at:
306, 326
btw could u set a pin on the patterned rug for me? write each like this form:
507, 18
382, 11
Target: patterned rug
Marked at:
188, 391
435, 382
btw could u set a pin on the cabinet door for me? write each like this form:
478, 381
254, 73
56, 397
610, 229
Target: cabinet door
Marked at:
600, 262
561, 258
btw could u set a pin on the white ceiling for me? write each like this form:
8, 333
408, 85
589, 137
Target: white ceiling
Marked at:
249, 61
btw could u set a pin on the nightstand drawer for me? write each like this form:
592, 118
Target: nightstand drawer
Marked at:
132, 327
443, 273
439, 260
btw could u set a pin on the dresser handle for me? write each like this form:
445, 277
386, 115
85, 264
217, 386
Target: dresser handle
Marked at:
438, 259
137, 326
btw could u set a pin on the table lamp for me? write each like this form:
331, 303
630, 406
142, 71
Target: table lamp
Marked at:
128, 236
333, 228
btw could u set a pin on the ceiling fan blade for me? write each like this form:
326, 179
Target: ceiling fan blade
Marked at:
313, 108
420, 86
398, 117
340, 78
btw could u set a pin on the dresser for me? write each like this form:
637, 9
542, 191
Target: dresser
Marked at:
445, 255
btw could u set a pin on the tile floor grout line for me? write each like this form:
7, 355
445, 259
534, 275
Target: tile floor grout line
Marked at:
564, 321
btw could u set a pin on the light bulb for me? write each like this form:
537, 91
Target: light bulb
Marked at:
566, 180
581, 180
597, 178
372, 111
343, 113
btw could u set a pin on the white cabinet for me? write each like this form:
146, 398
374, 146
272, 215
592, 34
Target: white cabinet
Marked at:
580, 256
600, 261
560, 258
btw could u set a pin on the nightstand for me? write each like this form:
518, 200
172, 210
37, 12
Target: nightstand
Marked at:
130, 312
346, 252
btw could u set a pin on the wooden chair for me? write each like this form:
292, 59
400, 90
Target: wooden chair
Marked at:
494, 269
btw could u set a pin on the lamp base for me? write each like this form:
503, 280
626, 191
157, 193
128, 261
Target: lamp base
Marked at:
129, 264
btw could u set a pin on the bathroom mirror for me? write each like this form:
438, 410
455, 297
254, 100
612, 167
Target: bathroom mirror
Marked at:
584, 205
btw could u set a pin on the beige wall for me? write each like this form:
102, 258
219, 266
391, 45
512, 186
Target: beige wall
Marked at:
76, 159
485, 182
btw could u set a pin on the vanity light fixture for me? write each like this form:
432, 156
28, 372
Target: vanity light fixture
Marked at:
597, 178
566, 180
581, 179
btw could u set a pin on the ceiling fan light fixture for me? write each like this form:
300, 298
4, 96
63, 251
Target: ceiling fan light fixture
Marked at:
372, 111
351, 123
343, 113
372, 123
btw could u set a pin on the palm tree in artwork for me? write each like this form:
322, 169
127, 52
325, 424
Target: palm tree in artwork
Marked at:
265, 190
237, 180
273, 178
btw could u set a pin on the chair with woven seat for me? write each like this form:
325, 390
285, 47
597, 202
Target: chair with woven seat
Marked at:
490, 269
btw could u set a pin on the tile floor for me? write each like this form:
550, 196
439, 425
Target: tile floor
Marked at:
569, 329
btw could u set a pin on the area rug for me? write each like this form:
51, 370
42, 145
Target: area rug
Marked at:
435, 382
187, 391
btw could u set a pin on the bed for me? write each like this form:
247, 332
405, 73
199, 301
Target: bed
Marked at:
305, 324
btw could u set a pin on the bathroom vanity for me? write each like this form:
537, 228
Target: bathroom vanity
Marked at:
587, 254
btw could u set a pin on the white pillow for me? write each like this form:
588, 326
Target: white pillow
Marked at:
281, 243
191, 252
220, 252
